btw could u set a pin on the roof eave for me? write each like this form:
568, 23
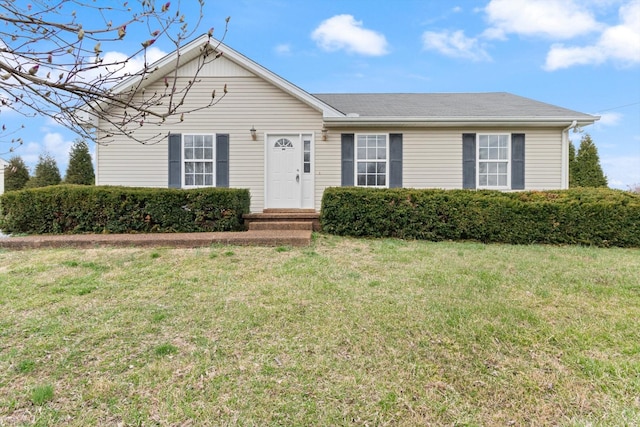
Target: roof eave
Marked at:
457, 121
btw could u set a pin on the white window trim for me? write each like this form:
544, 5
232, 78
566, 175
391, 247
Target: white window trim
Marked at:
507, 161
355, 158
185, 160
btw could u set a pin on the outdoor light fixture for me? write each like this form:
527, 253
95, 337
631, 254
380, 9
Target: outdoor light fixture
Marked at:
324, 133
254, 135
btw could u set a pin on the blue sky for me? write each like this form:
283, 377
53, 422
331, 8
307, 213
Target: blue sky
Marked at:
578, 54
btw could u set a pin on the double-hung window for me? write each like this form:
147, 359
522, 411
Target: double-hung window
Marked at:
493, 161
198, 160
371, 160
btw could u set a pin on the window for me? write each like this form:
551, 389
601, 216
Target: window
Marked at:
307, 156
371, 160
198, 160
493, 161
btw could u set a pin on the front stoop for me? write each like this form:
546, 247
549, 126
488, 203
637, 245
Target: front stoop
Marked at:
283, 219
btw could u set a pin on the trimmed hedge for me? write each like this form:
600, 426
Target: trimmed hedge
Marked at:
600, 217
66, 209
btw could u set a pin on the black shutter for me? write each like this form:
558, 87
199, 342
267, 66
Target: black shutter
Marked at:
469, 160
175, 160
517, 161
395, 160
222, 160
348, 153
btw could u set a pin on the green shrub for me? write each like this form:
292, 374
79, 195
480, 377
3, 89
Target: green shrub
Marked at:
80, 209
601, 217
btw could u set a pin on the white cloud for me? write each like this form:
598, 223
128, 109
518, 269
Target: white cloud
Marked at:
619, 44
622, 172
558, 19
52, 143
132, 65
455, 44
609, 119
344, 32
283, 49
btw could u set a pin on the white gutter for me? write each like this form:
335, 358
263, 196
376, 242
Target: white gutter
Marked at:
565, 155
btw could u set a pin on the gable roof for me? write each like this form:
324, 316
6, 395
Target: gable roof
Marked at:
412, 109
489, 107
193, 49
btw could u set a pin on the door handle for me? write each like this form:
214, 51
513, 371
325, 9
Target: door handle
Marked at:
298, 178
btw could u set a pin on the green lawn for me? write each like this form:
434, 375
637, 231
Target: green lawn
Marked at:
345, 332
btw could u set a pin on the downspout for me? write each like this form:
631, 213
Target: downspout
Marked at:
565, 155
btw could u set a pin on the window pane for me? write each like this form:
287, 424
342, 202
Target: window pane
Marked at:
362, 167
307, 157
362, 180
188, 153
382, 180
208, 167
307, 168
199, 167
484, 141
493, 168
482, 167
382, 167
482, 179
371, 153
188, 141
307, 146
362, 153
371, 167
188, 167
502, 180
503, 154
492, 180
502, 167
382, 153
371, 180
208, 153
208, 180
504, 140
188, 180
484, 153
208, 141
493, 140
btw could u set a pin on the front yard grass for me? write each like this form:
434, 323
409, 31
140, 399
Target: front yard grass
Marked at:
345, 332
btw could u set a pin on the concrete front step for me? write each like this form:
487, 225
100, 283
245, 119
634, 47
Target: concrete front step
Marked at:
280, 225
285, 216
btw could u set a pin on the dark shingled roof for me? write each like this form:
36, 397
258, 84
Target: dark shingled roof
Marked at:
446, 105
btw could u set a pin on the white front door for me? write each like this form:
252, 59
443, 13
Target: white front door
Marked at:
284, 171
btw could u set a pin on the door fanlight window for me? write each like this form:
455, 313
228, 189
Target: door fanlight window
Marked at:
283, 143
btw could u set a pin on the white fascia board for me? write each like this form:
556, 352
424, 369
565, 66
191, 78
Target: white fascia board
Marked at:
455, 121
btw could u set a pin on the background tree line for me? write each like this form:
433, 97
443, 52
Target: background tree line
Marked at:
80, 170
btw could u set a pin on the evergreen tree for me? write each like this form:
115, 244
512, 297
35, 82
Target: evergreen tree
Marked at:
572, 164
47, 172
16, 174
80, 169
588, 172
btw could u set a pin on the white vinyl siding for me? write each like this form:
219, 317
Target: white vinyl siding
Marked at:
251, 101
432, 157
3, 165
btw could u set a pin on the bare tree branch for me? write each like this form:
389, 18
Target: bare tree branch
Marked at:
51, 65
